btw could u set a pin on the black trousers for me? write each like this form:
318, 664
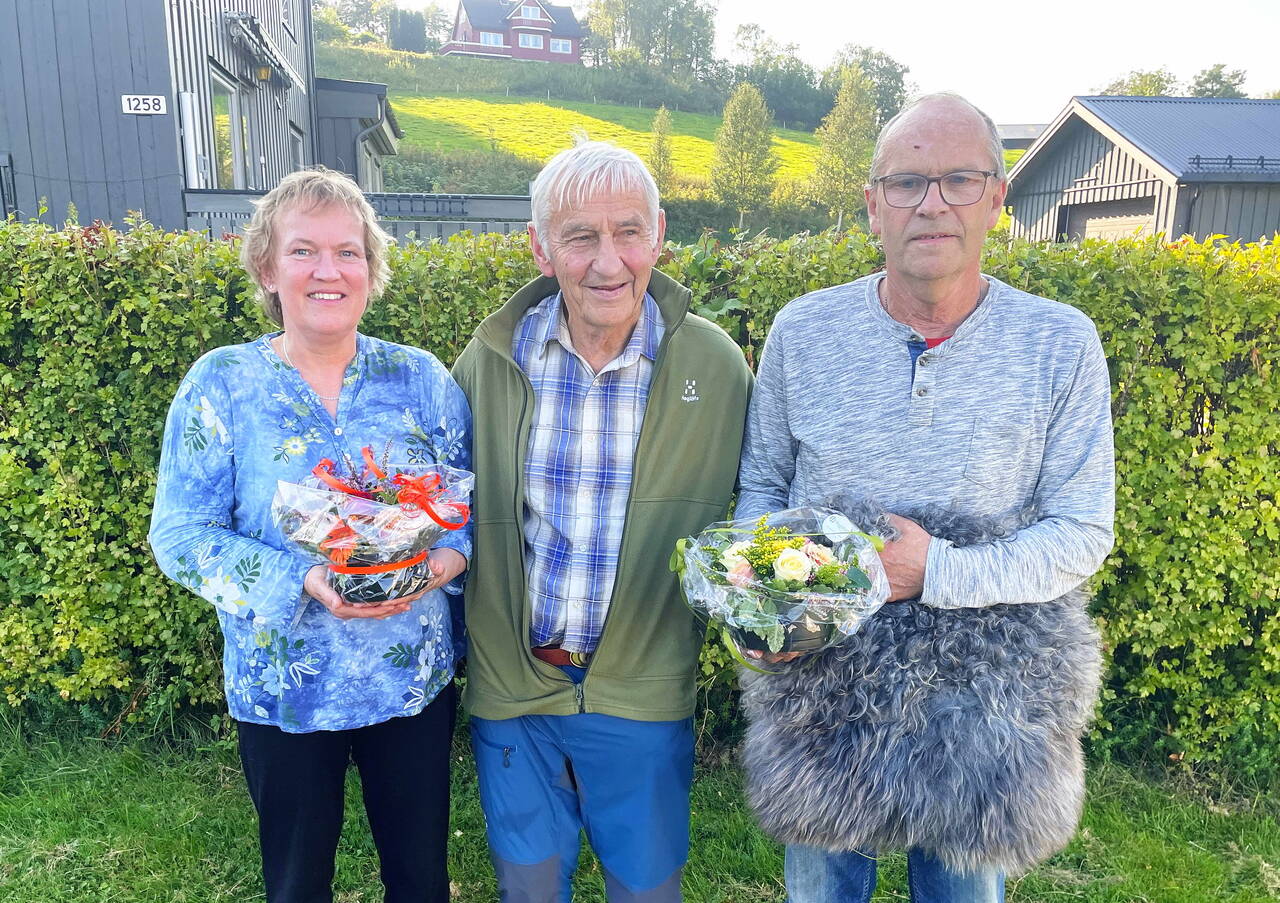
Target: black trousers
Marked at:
296, 782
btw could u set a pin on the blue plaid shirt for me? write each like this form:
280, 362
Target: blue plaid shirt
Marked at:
577, 469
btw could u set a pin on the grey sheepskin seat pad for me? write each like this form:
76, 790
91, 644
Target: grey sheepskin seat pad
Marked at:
955, 731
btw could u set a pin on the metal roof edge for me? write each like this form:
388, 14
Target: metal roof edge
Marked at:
1026, 160
1077, 106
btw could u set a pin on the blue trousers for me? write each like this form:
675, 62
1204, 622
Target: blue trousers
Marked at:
819, 876
545, 778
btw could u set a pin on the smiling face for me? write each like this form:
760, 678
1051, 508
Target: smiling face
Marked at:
934, 241
318, 268
602, 253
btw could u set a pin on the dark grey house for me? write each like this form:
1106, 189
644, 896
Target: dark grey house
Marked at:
122, 105
1111, 167
355, 129
187, 110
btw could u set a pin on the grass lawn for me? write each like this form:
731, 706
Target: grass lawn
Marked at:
84, 820
537, 130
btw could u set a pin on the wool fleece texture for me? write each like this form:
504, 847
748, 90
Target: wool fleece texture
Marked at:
953, 731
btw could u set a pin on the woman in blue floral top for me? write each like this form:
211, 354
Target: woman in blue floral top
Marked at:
315, 681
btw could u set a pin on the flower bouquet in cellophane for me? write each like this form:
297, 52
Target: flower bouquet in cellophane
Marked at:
373, 525
795, 581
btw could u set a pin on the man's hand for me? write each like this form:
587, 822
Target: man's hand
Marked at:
904, 559
772, 658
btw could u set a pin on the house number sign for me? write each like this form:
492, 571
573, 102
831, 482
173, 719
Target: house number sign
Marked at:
144, 104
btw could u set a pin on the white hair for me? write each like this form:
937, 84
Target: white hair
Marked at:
995, 146
590, 169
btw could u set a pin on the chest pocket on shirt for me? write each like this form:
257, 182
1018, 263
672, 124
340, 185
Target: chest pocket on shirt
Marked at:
997, 452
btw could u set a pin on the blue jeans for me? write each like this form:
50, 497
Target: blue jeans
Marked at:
819, 876
545, 778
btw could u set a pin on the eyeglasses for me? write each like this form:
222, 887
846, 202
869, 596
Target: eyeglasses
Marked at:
958, 189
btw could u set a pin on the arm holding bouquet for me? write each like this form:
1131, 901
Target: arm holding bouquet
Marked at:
966, 422
337, 645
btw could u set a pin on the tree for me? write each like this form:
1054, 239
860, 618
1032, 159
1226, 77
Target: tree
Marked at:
845, 141
1216, 81
1274, 95
677, 36
888, 78
660, 151
1144, 83
328, 28
788, 83
407, 31
742, 172
371, 16
437, 22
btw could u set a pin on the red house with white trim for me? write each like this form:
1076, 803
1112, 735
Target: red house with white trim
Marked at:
516, 30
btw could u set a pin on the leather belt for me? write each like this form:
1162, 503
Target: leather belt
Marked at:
554, 655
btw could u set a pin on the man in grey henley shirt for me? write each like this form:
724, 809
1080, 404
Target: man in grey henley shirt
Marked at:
932, 384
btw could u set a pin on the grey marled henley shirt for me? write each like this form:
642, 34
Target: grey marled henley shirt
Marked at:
1013, 410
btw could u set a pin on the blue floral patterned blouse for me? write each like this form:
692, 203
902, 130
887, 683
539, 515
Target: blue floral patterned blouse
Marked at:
243, 419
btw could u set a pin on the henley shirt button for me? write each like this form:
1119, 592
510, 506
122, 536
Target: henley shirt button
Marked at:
922, 392
337, 431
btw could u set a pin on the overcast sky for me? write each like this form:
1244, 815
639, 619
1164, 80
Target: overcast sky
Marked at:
1021, 62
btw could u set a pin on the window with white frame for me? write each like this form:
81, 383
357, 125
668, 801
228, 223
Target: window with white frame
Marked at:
530, 12
533, 41
490, 39
232, 159
560, 45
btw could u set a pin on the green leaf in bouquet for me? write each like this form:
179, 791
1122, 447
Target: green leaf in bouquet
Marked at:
876, 542
676, 564
858, 578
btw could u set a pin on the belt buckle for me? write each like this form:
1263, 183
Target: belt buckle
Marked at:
579, 659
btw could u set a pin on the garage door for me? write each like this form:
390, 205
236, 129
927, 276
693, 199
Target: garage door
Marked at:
1112, 219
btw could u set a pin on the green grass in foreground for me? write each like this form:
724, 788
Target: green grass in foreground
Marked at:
537, 130
82, 820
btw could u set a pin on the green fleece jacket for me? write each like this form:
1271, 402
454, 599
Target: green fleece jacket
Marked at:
686, 463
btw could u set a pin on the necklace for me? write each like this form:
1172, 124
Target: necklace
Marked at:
284, 349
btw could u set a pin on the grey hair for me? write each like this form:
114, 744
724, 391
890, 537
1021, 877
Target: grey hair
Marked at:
310, 189
590, 169
995, 146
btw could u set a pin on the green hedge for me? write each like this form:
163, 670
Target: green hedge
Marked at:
97, 327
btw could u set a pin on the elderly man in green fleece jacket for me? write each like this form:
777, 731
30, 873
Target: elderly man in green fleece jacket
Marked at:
608, 423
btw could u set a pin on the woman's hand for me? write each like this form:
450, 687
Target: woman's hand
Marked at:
445, 564
316, 585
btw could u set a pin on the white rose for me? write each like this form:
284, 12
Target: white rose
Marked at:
792, 564
732, 555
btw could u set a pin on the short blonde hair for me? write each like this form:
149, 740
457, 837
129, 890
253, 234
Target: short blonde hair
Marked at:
310, 189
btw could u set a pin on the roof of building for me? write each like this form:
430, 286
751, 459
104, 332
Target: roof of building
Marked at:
495, 14
1020, 131
1194, 139
368, 116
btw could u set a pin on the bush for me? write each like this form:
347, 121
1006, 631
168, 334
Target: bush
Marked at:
459, 172
689, 218
98, 327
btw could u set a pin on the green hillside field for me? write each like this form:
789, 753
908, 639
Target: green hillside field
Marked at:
537, 130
